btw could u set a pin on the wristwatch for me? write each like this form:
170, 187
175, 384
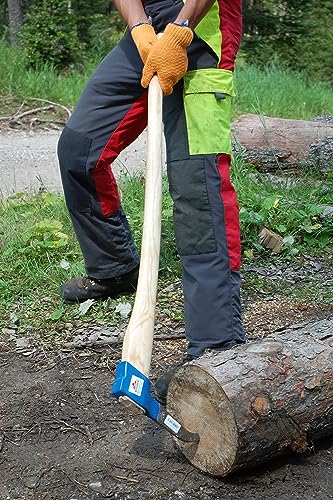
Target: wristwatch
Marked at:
183, 23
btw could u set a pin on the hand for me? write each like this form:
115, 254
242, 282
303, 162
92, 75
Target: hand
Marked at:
168, 58
144, 37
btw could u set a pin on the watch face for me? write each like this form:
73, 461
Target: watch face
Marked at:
183, 23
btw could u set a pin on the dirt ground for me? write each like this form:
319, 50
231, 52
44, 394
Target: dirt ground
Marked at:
62, 437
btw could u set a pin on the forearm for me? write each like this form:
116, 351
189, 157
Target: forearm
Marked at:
194, 11
131, 11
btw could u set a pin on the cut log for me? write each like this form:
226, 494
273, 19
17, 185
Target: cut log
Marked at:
273, 143
269, 239
257, 401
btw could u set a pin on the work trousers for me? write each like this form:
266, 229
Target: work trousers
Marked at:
110, 115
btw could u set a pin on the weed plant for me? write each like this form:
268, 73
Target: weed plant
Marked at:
293, 207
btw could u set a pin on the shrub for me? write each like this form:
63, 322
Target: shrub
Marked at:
104, 33
49, 34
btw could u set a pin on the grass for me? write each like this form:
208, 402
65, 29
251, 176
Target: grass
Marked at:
39, 249
274, 91
19, 83
281, 93
293, 208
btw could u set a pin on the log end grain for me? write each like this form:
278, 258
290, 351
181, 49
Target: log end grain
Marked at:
201, 405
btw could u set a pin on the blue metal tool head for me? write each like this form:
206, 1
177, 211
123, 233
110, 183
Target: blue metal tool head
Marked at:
132, 388
131, 383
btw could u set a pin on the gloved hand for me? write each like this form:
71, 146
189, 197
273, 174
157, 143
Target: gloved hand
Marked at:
168, 57
144, 37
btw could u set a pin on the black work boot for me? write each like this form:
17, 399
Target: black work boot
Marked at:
81, 289
162, 383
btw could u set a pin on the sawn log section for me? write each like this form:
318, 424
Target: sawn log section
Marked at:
257, 401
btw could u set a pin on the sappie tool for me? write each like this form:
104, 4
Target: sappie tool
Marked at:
132, 386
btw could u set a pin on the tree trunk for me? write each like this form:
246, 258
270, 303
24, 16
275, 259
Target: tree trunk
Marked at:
257, 401
15, 19
278, 143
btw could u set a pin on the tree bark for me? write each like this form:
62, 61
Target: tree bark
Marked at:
15, 19
274, 143
257, 401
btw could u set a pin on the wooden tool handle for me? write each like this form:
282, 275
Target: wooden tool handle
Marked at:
138, 340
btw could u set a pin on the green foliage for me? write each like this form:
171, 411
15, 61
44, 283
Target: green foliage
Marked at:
297, 34
293, 210
41, 233
132, 189
49, 34
315, 49
19, 82
33, 264
274, 91
104, 32
44, 236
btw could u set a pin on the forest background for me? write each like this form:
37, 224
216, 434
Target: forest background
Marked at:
295, 34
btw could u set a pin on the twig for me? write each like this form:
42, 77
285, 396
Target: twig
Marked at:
186, 476
113, 341
15, 118
81, 486
38, 481
85, 433
89, 435
43, 120
29, 430
124, 478
149, 471
170, 337
4, 437
68, 111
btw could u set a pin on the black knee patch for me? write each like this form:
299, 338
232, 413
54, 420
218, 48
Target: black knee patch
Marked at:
73, 152
193, 220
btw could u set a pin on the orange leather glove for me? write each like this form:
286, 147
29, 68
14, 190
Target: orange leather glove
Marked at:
168, 58
144, 37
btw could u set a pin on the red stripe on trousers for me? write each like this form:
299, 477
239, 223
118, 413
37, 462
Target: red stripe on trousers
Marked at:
130, 127
231, 212
231, 28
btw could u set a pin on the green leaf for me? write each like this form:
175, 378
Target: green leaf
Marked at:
270, 202
251, 217
56, 315
310, 228
249, 253
281, 228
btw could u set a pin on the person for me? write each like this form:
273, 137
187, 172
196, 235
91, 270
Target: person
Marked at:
194, 62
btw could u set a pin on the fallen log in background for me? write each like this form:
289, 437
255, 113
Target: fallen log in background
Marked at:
257, 401
271, 143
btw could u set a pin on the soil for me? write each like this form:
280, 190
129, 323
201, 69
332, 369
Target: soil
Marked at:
62, 437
